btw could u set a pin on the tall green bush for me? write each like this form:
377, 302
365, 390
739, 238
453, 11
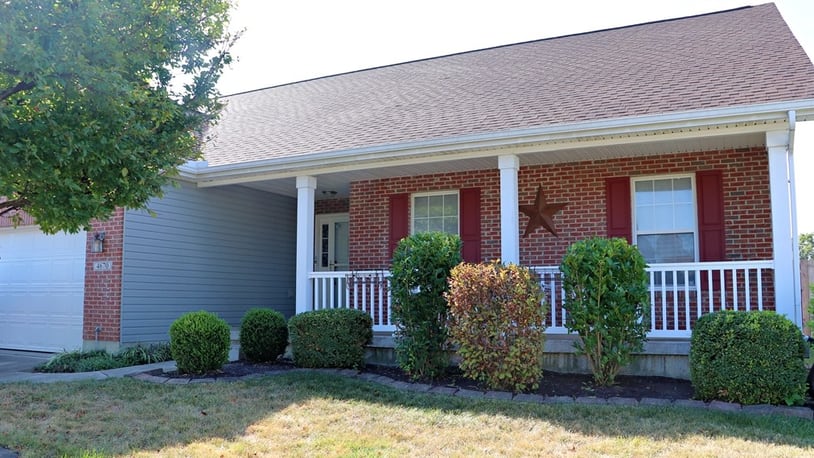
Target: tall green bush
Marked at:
330, 338
199, 342
607, 300
497, 320
421, 265
748, 357
263, 335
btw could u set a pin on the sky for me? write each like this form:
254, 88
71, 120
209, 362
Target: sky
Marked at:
289, 41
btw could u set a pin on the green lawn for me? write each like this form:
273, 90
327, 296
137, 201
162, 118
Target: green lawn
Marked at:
313, 414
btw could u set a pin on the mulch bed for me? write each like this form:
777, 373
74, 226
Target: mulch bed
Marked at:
552, 383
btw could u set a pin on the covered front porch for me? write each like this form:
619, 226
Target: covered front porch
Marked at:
758, 270
679, 292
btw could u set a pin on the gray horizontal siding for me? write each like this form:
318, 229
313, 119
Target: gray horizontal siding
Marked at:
224, 249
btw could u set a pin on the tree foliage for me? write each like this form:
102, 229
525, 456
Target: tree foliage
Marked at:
101, 100
807, 246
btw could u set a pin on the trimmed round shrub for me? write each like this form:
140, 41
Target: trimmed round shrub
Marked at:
263, 335
748, 357
199, 342
421, 265
330, 338
608, 303
497, 318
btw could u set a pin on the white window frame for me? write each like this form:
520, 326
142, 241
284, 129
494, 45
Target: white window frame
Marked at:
431, 194
693, 191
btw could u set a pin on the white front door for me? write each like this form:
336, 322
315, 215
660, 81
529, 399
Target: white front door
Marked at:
331, 242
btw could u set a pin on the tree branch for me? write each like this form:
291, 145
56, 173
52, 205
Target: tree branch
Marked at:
9, 206
21, 86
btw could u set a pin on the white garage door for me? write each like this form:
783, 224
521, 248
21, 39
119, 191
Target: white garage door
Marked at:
42, 282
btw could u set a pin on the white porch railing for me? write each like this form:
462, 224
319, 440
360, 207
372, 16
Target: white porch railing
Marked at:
364, 290
679, 293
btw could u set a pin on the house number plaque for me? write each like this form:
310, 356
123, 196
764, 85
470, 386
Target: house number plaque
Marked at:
102, 265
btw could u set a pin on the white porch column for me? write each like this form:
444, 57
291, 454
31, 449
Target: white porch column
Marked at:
786, 268
509, 209
306, 188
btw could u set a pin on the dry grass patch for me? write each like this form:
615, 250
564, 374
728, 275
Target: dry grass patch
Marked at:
311, 414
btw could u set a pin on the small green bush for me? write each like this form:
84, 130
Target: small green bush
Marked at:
98, 360
748, 357
199, 342
497, 320
330, 338
139, 354
101, 362
607, 300
67, 361
263, 335
421, 265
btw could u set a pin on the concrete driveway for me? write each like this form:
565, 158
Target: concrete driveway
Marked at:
12, 361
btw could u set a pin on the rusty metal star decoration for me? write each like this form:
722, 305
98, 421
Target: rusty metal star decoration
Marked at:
541, 214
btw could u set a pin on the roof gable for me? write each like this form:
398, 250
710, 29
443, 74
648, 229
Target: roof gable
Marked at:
732, 58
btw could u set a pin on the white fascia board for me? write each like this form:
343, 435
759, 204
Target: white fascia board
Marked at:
719, 121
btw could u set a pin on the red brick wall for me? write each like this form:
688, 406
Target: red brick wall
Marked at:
103, 289
582, 186
369, 212
325, 206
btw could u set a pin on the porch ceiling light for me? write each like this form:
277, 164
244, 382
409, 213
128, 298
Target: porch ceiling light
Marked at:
97, 245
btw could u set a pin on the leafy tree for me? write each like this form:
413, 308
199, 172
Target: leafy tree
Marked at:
101, 100
807, 246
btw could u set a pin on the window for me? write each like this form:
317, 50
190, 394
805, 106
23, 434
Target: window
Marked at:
665, 222
665, 227
435, 212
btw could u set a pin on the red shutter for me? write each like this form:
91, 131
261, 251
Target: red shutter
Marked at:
711, 236
617, 205
399, 220
470, 224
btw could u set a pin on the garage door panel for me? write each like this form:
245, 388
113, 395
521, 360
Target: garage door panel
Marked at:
41, 289
42, 275
51, 331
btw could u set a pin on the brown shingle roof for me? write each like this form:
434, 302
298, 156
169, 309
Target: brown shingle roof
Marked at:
737, 57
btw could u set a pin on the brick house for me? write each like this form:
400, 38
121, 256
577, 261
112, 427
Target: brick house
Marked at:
677, 135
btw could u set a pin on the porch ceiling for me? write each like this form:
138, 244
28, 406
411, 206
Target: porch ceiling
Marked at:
529, 154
